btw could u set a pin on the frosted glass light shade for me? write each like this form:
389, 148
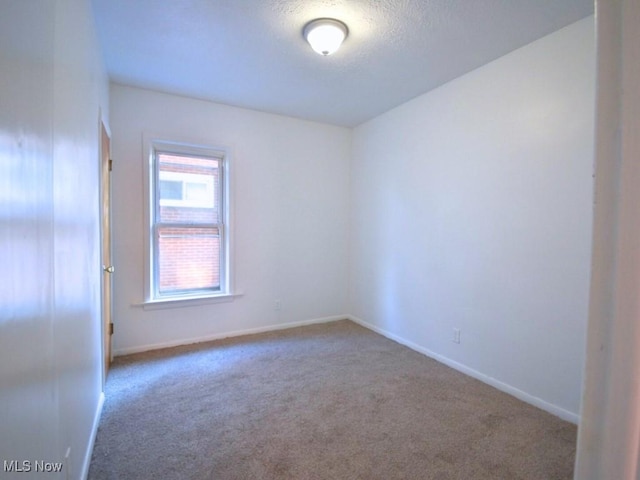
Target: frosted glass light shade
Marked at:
325, 35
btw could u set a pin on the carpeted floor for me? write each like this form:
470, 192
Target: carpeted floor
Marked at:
330, 401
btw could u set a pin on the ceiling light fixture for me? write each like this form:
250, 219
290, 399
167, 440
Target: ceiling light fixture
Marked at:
325, 35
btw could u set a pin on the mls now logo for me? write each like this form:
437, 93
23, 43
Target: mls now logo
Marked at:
16, 466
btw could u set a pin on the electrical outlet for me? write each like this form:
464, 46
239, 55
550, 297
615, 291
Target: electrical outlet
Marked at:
277, 305
456, 335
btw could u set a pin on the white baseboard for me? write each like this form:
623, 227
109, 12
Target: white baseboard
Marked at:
504, 387
92, 439
218, 336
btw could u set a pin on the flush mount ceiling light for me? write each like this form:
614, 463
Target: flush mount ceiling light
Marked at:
325, 35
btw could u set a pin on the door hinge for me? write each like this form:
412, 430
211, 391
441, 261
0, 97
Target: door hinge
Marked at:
110, 164
111, 328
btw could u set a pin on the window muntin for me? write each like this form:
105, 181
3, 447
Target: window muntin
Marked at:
188, 222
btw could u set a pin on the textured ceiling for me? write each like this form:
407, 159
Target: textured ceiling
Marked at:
251, 53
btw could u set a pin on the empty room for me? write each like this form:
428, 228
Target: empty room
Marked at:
290, 239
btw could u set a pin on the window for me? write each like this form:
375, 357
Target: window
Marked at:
186, 189
188, 229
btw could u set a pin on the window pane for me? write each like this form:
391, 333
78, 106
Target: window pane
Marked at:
188, 259
170, 190
197, 193
199, 179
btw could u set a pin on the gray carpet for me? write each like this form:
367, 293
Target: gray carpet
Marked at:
331, 401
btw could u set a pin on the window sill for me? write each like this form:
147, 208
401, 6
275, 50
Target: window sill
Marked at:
179, 302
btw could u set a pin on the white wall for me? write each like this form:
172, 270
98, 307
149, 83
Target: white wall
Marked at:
471, 209
290, 199
52, 87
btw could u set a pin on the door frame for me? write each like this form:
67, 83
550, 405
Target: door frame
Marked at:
106, 253
609, 432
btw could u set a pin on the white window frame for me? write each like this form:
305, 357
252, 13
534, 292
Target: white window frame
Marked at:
152, 298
